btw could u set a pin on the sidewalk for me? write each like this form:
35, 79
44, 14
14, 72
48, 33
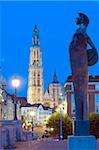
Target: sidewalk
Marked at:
44, 145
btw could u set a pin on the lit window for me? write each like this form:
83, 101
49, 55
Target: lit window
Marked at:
72, 104
97, 103
97, 87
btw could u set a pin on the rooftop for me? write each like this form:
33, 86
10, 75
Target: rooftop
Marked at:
36, 105
91, 78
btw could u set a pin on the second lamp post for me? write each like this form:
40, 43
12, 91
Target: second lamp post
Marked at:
15, 84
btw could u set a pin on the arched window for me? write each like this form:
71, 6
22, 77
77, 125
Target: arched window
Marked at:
38, 90
34, 53
34, 78
38, 82
34, 74
37, 54
38, 78
38, 75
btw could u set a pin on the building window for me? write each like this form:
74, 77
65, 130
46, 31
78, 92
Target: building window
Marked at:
72, 104
37, 54
97, 103
97, 87
38, 82
38, 75
34, 54
34, 78
54, 91
38, 91
34, 74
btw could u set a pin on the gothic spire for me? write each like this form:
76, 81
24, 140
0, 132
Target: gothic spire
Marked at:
35, 28
35, 37
55, 76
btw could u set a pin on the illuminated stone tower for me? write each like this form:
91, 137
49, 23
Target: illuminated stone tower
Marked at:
35, 78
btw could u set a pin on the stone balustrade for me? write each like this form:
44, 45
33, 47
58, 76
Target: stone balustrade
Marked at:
5, 137
11, 132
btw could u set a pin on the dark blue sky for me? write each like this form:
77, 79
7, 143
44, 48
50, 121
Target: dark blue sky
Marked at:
56, 24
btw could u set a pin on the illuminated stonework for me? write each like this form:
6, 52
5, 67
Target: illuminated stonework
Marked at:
35, 78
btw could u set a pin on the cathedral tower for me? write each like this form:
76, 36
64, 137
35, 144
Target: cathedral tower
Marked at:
35, 78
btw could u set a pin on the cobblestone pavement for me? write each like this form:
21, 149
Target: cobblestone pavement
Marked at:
42, 145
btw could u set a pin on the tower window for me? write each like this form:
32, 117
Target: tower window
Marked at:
37, 54
34, 79
34, 74
38, 75
38, 82
34, 53
38, 91
34, 62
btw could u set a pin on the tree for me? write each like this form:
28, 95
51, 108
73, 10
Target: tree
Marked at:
94, 124
54, 123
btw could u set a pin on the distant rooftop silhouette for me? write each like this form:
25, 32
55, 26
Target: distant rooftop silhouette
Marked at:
91, 78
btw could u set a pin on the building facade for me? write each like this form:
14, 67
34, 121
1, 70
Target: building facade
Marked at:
7, 106
55, 90
39, 115
47, 100
92, 99
7, 101
35, 77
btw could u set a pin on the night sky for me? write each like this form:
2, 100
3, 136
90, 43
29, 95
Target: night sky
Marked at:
56, 24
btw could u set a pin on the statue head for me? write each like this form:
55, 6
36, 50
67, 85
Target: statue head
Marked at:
82, 19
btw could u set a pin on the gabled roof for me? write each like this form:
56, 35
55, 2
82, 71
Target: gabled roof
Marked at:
22, 100
36, 105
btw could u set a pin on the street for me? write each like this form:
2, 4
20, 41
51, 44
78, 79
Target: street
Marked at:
42, 145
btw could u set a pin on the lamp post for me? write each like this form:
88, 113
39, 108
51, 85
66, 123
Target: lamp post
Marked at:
15, 84
61, 134
32, 113
60, 109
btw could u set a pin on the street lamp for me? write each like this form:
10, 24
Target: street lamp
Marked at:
32, 113
61, 134
15, 84
60, 107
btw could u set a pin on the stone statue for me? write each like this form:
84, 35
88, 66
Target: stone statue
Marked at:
80, 58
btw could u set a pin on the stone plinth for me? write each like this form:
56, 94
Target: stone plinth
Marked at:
81, 143
81, 128
10, 128
1, 145
19, 132
5, 137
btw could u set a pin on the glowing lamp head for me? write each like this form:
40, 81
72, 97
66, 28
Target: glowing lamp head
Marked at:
15, 82
32, 113
51, 129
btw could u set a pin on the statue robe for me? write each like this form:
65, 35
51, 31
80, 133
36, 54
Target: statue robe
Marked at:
79, 67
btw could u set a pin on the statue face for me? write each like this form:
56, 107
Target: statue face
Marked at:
78, 21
